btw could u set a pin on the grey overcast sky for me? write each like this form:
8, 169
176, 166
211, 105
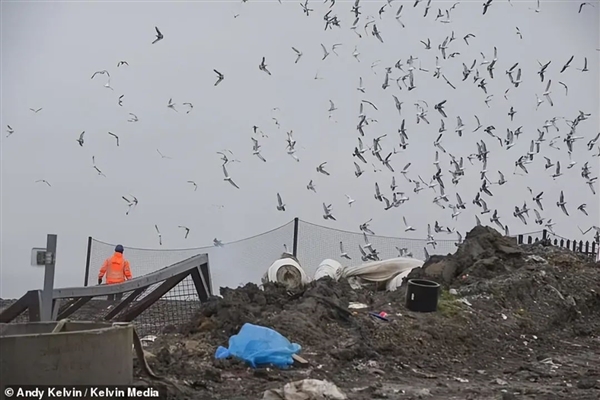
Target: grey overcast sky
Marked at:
51, 49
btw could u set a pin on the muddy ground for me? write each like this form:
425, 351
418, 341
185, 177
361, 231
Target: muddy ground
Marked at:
513, 322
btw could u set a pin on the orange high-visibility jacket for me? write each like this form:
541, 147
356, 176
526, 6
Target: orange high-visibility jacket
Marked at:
116, 269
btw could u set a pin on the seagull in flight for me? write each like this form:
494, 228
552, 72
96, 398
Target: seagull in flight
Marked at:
130, 203
159, 35
263, 66
562, 203
103, 72
325, 52
43, 181
321, 168
228, 178
187, 230
193, 183
115, 136
350, 200
36, 111
80, 140
408, 227
220, 77
298, 54
159, 235
122, 63
280, 205
327, 214
171, 105
162, 155
217, 243
343, 254
585, 3
10, 130
190, 105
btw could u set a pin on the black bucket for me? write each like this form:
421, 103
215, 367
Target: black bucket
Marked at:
422, 295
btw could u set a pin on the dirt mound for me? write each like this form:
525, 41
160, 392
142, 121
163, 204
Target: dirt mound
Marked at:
484, 254
302, 315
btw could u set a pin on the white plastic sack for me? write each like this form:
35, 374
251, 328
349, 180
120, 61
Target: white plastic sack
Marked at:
286, 271
382, 271
394, 283
329, 267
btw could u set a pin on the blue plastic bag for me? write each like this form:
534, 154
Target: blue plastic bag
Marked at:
258, 345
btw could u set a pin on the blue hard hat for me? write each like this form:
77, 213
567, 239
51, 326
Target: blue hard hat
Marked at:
119, 248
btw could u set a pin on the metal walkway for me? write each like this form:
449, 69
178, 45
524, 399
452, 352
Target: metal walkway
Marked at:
67, 301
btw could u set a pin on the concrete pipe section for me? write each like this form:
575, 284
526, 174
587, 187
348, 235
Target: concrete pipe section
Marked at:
422, 295
80, 353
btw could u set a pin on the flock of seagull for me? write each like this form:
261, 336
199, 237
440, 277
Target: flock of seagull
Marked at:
406, 77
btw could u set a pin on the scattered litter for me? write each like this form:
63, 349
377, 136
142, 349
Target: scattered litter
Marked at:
307, 389
461, 380
504, 317
464, 301
357, 306
500, 382
423, 392
453, 292
536, 258
148, 339
379, 316
258, 345
423, 374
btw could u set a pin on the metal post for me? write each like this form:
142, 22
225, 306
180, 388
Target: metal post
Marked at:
295, 239
47, 293
87, 262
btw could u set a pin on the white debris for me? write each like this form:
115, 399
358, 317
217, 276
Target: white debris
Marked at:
357, 306
307, 389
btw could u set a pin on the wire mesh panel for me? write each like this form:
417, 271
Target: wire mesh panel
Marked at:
234, 264
316, 243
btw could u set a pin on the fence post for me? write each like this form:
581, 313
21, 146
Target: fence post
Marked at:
87, 261
48, 292
295, 239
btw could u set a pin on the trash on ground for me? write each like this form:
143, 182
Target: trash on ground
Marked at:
357, 306
258, 345
307, 389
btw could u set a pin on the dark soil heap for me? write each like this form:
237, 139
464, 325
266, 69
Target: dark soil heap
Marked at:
484, 254
303, 316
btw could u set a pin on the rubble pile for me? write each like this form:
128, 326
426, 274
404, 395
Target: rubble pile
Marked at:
511, 319
484, 254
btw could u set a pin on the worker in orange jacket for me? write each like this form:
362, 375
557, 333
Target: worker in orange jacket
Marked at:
116, 268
